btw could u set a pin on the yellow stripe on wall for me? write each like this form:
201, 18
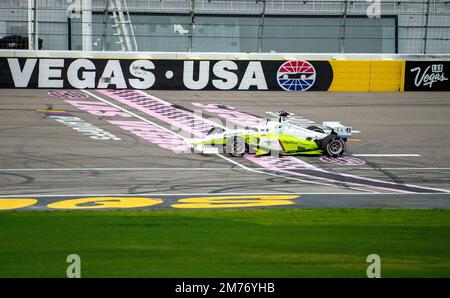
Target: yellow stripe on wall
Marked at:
367, 75
350, 75
385, 75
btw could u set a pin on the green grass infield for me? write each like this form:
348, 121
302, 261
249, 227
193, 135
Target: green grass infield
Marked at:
226, 243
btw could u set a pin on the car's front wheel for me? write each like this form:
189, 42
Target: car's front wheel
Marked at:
335, 147
236, 146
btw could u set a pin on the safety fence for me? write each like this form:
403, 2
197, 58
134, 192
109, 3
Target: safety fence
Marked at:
295, 26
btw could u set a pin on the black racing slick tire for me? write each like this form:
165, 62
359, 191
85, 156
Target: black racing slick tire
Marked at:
215, 130
335, 146
236, 146
316, 129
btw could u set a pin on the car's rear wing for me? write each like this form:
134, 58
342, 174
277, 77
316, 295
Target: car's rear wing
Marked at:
340, 129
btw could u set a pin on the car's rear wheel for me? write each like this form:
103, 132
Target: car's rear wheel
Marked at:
335, 147
215, 131
315, 128
236, 146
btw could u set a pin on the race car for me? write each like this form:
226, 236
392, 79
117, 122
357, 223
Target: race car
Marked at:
277, 137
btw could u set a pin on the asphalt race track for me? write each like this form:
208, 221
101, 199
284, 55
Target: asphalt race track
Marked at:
59, 145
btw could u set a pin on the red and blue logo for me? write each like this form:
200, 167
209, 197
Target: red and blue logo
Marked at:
296, 75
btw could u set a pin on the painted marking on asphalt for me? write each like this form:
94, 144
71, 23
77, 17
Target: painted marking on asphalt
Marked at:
308, 174
101, 202
16, 203
162, 110
154, 135
53, 111
235, 201
133, 114
79, 125
342, 160
67, 94
210, 194
97, 108
386, 155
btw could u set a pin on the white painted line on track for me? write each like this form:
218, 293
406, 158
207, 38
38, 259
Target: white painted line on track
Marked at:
386, 155
220, 156
392, 168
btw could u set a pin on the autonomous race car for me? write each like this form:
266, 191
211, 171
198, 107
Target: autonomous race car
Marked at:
277, 137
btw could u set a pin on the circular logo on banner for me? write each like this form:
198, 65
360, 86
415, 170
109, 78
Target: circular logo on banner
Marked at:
296, 75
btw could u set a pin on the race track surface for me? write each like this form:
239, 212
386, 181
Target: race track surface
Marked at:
60, 145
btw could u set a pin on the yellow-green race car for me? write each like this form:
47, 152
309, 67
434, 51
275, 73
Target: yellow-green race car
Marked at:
277, 137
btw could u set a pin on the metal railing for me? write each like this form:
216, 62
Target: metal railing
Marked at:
320, 26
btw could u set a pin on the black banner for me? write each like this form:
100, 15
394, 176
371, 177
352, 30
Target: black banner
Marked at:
427, 76
71, 73
230, 287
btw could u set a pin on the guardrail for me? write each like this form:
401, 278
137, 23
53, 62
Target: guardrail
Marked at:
224, 71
